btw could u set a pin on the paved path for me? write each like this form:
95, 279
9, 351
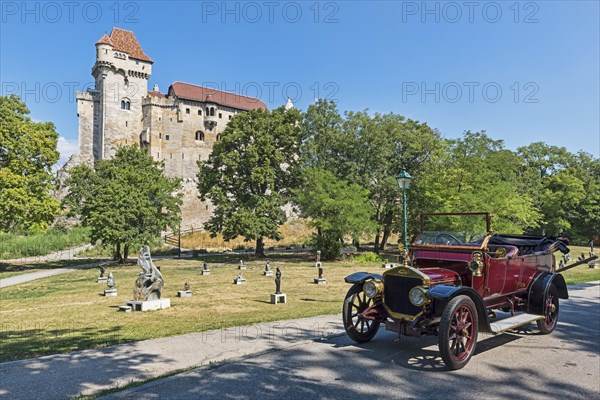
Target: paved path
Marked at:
30, 276
62, 255
308, 358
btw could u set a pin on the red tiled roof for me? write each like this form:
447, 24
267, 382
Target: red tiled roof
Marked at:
156, 94
105, 40
126, 42
199, 93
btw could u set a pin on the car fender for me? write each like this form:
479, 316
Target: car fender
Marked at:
442, 294
360, 277
538, 289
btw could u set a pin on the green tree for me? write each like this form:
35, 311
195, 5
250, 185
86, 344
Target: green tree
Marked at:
125, 200
334, 207
479, 174
249, 175
27, 154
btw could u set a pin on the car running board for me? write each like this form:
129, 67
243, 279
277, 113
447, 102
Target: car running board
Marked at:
513, 322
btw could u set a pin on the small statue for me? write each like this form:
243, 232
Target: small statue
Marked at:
186, 286
278, 281
205, 266
268, 266
318, 256
241, 265
240, 277
102, 270
110, 282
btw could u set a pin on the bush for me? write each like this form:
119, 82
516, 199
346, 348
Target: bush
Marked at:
330, 246
367, 257
13, 245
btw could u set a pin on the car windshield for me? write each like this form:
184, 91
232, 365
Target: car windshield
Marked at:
450, 238
452, 230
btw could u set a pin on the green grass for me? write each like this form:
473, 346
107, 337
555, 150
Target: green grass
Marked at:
7, 270
40, 244
68, 312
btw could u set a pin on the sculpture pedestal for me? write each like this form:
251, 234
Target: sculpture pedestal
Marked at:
102, 279
241, 267
184, 293
387, 266
206, 272
149, 305
110, 292
320, 281
268, 273
125, 308
278, 298
237, 281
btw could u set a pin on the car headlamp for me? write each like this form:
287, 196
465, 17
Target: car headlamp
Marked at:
372, 288
418, 296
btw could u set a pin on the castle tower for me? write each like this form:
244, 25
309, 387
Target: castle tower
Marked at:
111, 113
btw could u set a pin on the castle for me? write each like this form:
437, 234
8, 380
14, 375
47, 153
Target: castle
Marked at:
178, 127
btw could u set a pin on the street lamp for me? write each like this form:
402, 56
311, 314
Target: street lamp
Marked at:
404, 179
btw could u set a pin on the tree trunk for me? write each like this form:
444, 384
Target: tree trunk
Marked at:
376, 247
356, 243
386, 236
126, 253
117, 255
260, 247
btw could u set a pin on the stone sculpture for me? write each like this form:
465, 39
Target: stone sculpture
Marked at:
278, 297
267, 271
319, 280
110, 282
149, 283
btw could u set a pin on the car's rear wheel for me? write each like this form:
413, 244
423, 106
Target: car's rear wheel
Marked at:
458, 332
357, 327
548, 324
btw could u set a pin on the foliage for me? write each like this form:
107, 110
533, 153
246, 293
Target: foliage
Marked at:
367, 257
335, 207
39, 244
250, 174
125, 201
27, 154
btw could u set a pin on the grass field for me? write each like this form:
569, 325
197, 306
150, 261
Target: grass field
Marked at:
68, 312
40, 244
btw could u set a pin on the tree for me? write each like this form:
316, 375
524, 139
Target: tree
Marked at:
125, 201
334, 207
250, 174
479, 174
27, 154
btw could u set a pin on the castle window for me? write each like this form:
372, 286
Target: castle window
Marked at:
125, 124
171, 156
212, 111
160, 135
218, 137
182, 156
167, 137
125, 105
200, 112
220, 115
200, 135
230, 117
158, 155
207, 111
159, 118
187, 110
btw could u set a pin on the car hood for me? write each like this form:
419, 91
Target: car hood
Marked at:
441, 275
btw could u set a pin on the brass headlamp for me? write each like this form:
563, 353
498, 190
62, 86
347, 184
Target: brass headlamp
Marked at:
476, 263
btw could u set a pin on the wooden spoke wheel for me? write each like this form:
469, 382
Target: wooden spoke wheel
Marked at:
458, 332
548, 324
358, 328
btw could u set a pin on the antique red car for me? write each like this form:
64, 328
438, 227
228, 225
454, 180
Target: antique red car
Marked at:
451, 283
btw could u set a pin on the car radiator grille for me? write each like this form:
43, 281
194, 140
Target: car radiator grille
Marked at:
396, 290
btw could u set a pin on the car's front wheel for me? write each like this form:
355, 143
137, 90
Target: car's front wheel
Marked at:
548, 324
458, 332
357, 327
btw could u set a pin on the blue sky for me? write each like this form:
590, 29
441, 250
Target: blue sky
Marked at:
522, 71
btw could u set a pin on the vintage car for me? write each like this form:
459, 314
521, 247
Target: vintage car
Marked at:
452, 282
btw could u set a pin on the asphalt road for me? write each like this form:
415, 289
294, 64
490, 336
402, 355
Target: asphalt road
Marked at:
516, 365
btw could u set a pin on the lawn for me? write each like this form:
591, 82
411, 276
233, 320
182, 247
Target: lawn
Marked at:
68, 312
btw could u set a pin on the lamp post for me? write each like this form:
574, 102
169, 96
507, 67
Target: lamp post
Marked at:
404, 179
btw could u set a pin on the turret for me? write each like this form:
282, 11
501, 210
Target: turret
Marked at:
104, 49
